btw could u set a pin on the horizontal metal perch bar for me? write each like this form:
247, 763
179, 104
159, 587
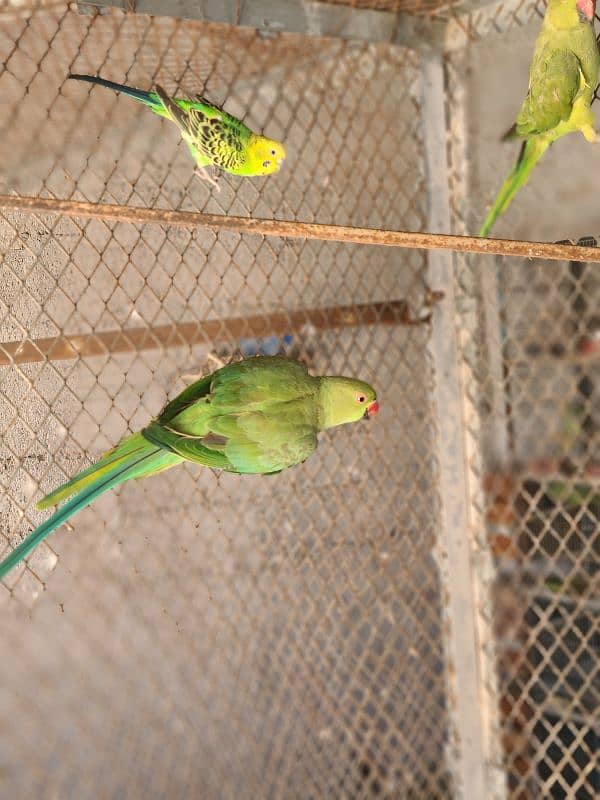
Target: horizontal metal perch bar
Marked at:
58, 348
304, 230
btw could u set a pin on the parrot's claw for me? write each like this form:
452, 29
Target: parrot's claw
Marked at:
203, 175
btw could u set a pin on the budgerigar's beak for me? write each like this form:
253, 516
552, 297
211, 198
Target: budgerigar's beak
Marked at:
372, 410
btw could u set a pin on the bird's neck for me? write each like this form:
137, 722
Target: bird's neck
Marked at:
563, 14
330, 413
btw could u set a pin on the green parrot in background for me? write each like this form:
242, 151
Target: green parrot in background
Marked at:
213, 136
562, 79
258, 416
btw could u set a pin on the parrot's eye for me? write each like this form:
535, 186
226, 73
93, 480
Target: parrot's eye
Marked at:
266, 163
273, 153
361, 398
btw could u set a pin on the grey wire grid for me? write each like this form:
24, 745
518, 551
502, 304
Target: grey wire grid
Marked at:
306, 635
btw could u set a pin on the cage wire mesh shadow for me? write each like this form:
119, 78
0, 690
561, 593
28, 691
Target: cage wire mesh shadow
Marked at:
217, 636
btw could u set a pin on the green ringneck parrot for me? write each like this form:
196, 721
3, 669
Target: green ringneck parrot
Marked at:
562, 79
257, 416
213, 136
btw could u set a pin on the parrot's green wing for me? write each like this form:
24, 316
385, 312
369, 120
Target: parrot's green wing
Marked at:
248, 441
256, 383
267, 442
192, 448
217, 136
186, 441
190, 395
258, 415
554, 83
205, 107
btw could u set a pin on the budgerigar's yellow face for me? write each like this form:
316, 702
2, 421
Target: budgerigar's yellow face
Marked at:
267, 155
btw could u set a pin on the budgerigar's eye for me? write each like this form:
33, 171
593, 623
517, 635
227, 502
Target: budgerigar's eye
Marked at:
273, 153
266, 163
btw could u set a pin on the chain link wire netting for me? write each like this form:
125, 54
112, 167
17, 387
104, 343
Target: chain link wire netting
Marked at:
207, 635
528, 332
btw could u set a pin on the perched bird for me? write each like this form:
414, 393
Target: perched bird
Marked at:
258, 416
562, 79
213, 136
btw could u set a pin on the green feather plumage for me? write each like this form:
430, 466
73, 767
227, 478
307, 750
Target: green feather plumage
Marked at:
258, 416
214, 137
562, 79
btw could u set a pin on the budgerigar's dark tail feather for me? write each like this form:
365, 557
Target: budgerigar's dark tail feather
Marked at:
146, 460
531, 152
148, 98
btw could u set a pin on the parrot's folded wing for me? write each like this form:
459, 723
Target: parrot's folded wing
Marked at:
194, 392
207, 130
254, 384
175, 113
213, 111
552, 91
189, 447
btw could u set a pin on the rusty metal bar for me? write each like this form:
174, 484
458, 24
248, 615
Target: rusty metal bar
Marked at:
58, 348
304, 230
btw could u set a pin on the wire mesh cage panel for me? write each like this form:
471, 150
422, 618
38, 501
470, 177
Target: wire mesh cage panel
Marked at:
528, 333
412, 613
210, 635
531, 371
63, 140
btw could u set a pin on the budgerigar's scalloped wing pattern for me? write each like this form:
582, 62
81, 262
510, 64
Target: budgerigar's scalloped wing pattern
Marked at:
214, 134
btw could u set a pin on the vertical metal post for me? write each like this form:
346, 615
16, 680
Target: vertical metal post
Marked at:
467, 751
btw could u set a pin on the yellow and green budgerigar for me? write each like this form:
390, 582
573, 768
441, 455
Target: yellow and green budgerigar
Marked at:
257, 416
562, 79
214, 137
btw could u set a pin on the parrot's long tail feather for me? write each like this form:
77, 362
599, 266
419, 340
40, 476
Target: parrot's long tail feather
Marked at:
530, 154
133, 458
148, 98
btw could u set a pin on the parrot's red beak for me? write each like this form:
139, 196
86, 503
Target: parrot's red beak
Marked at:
586, 9
372, 410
